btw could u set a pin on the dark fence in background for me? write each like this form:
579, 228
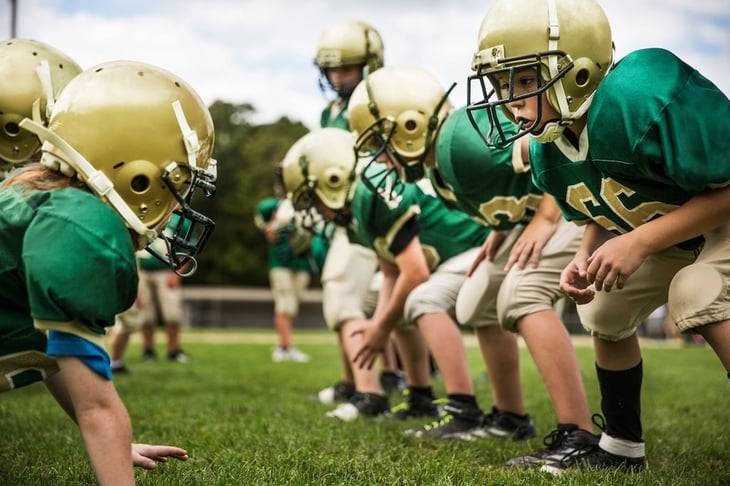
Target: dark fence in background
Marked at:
253, 307
247, 307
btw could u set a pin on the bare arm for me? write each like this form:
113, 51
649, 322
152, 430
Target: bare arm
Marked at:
101, 417
536, 234
143, 455
56, 386
411, 270
702, 213
615, 261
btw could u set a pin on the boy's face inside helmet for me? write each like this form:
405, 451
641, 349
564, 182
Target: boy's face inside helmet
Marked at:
343, 79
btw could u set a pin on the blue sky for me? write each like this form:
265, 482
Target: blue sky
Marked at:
260, 51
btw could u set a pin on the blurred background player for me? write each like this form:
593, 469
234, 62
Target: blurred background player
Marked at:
126, 323
345, 51
70, 226
159, 303
290, 270
630, 149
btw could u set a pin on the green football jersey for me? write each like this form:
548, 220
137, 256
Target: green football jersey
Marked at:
280, 254
656, 135
65, 257
478, 180
335, 115
443, 232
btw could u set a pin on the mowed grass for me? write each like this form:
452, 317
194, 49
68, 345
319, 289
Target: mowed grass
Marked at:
248, 421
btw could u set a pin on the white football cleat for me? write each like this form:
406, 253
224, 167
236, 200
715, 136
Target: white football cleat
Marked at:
295, 354
345, 411
327, 395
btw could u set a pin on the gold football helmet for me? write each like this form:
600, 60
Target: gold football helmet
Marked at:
396, 112
141, 139
567, 42
321, 167
32, 74
348, 43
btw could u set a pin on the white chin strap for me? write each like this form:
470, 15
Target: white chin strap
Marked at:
553, 45
554, 130
190, 136
44, 75
550, 132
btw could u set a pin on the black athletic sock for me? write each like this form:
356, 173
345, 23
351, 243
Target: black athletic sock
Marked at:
621, 401
466, 399
425, 391
495, 409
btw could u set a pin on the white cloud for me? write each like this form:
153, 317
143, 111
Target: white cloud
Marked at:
260, 51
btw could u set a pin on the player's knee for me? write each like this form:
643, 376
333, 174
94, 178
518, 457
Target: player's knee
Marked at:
513, 305
416, 305
693, 289
287, 307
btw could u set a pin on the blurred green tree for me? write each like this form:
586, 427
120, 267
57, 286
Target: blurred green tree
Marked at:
247, 155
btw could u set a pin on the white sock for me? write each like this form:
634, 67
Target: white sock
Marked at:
621, 447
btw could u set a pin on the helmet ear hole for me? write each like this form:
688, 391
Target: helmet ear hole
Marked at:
334, 178
12, 128
582, 77
140, 183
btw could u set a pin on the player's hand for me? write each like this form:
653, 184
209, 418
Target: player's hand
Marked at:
614, 261
173, 280
574, 283
147, 456
529, 246
271, 234
374, 341
489, 249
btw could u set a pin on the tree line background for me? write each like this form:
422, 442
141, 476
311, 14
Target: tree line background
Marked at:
247, 155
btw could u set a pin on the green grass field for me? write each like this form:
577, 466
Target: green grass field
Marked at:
247, 421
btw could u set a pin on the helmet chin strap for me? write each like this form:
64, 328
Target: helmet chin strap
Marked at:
553, 130
553, 45
550, 132
97, 181
44, 75
190, 136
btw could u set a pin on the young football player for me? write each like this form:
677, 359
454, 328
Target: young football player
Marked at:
424, 250
633, 151
345, 51
159, 301
402, 119
104, 187
290, 270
